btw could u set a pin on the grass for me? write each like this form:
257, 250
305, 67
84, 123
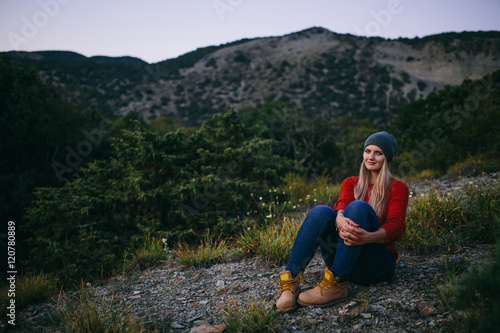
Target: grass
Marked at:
475, 165
274, 241
30, 289
296, 195
435, 221
256, 316
208, 252
87, 313
150, 252
438, 221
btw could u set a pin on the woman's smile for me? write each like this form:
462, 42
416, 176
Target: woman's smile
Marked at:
373, 158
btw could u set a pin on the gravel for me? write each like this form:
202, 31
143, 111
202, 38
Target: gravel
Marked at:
194, 300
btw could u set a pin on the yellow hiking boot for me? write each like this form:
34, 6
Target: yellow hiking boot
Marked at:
289, 291
326, 293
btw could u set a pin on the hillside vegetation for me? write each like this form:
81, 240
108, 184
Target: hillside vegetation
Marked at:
316, 70
115, 183
95, 189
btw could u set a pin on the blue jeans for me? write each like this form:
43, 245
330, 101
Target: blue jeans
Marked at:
363, 264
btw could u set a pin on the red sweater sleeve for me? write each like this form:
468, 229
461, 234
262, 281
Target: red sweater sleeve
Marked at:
346, 195
394, 223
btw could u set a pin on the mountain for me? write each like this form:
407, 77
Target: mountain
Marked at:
315, 69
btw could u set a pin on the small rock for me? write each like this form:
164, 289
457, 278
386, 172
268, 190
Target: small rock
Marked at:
177, 325
375, 308
366, 315
427, 309
220, 283
206, 328
196, 317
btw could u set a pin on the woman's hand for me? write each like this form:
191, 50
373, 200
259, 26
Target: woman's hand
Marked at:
353, 235
350, 231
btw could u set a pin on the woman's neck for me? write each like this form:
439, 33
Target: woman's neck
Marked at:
373, 176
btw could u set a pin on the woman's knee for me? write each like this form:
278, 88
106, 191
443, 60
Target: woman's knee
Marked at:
320, 214
362, 213
358, 207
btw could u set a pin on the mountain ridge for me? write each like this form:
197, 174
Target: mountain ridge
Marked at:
314, 69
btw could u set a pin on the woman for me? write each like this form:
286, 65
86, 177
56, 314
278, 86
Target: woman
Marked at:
356, 238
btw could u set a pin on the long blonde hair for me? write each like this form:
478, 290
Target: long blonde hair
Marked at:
379, 192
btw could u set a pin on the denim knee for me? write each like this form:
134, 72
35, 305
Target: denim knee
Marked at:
357, 205
321, 213
363, 214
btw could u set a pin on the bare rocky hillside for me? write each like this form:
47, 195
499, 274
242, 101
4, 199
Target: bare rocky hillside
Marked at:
314, 69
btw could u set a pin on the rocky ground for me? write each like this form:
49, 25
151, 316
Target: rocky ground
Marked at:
194, 300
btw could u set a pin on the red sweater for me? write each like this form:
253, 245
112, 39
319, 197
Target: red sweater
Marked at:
393, 219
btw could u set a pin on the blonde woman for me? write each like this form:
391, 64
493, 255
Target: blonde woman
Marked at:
356, 238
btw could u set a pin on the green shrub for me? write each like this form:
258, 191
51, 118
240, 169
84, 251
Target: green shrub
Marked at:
477, 294
450, 125
181, 184
313, 192
474, 165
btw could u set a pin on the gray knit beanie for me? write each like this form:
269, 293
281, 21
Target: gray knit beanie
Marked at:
384, 141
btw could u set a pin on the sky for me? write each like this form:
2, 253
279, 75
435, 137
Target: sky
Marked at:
156, 30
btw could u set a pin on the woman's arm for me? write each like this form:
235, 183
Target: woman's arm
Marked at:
352, 234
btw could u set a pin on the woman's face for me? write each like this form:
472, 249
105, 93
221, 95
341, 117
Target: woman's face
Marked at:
373, 158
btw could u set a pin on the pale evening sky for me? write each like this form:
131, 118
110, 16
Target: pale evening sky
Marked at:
156, 30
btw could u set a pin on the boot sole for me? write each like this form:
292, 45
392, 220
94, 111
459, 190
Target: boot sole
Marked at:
324, 305
286, 310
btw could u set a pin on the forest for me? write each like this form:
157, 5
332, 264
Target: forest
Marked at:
82, 186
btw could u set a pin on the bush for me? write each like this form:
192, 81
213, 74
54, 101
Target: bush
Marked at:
475, 165
180, 184
449, 126
478, 295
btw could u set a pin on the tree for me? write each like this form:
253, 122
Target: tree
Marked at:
180, 185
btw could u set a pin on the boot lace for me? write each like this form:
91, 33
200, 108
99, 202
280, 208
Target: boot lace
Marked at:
325, 284
288, 285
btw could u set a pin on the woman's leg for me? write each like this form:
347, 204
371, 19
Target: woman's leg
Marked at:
318, 229
366, 264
